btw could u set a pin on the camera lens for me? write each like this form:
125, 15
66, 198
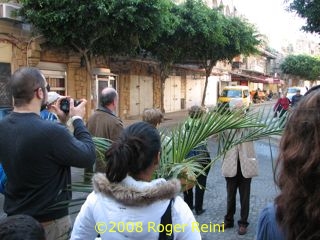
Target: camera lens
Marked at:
65, 105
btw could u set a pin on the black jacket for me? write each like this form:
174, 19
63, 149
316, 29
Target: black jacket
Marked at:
36, 156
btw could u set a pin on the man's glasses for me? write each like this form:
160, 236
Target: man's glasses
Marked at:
47, 87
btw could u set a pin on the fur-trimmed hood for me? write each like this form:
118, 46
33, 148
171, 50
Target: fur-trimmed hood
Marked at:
133, 195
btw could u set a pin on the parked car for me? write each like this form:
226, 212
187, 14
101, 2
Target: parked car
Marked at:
292, 91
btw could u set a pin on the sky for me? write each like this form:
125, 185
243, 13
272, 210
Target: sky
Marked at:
273, 20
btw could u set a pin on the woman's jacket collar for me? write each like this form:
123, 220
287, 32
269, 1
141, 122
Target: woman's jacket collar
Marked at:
134, 196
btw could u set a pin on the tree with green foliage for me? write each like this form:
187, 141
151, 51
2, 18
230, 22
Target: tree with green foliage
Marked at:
242, 39
308, 10
69, 24
98, 27
119, 27
166, 50
203, 36
209, 36
202, 29
136, 24
303, 66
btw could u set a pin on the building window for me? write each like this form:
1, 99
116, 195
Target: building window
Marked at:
104, 81
56, 80
5, 93
56, 76
57, 84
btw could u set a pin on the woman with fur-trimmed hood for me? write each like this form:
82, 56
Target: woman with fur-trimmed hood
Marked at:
126, 203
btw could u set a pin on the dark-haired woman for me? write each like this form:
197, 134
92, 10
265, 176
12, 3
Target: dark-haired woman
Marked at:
295, 214
126, 203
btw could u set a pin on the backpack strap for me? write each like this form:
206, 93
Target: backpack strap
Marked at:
165, 220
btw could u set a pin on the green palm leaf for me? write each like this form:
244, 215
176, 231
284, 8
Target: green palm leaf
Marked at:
101, 144
178, 142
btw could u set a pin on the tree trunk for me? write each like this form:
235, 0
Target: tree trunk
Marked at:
164, 73
208, 72
88, 172
204, 91
163, 81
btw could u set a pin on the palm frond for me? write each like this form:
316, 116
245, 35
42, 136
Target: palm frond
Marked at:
101, 144
179, 141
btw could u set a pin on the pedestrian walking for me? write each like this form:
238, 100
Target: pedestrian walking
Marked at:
295, 212
127, 196
282, 105
37, 155
296, 98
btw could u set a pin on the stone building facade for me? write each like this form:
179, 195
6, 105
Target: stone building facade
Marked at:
137, 80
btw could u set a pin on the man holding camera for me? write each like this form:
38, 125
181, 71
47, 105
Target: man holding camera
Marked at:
37, 154
47, 112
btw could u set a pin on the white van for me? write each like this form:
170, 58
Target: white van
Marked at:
292, 91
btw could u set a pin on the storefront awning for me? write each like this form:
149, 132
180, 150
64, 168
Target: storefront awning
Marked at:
242, 76
236, 76
275, 81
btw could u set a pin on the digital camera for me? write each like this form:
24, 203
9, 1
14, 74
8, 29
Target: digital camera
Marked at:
65, 105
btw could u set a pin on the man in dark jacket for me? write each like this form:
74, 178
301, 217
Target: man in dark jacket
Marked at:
37, 154
296, 98
104, 122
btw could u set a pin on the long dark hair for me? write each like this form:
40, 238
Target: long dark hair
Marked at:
133, 152
298, 171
